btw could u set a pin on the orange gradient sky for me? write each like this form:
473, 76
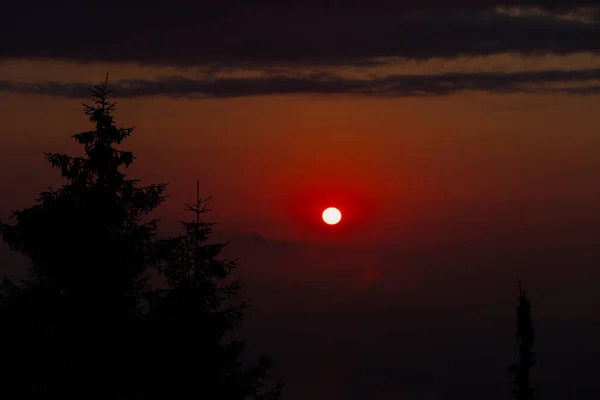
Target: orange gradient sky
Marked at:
398, 168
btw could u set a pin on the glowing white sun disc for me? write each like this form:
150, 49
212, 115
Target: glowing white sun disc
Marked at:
332, 216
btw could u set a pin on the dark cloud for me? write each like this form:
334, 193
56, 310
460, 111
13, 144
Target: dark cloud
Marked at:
328, 84
311, 32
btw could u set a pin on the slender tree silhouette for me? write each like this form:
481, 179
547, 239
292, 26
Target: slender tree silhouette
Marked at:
192, 318
74, 318
525, 336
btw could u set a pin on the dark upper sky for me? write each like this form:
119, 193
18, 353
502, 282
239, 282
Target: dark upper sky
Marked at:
459, 139
271, 33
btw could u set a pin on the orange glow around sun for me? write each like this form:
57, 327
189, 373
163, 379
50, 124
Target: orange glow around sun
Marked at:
332, 216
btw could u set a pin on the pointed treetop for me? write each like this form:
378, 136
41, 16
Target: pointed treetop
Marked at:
521, 291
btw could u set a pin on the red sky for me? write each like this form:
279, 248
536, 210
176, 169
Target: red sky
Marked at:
388, 162
447, 197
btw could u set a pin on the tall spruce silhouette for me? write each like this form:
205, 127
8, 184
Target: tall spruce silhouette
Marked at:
191, 320
73, 320
525, 336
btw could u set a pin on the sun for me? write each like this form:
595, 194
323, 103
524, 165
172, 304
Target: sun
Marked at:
332, 216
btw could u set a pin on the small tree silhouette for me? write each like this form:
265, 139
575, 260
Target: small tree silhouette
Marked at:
75, 315
525, 336
192, 317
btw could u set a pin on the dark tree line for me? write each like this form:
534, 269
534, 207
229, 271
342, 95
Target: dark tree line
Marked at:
87, 322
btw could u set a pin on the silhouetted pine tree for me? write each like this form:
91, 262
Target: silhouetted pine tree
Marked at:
74, 318
525, 336
191, 318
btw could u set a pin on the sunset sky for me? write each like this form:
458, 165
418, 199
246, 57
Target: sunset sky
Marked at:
460, 140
